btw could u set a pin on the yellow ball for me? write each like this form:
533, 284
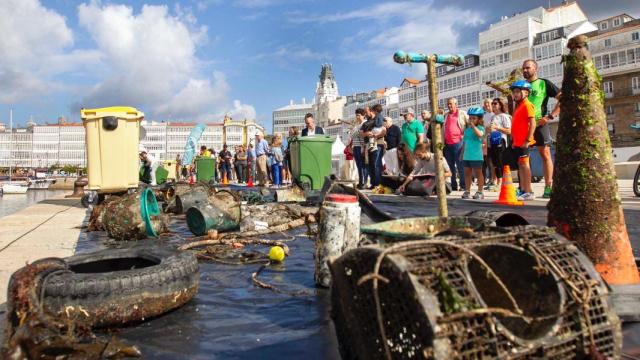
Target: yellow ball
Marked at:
276, 253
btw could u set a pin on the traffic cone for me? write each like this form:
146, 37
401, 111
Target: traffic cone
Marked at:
225, 181
250, 182
507, 191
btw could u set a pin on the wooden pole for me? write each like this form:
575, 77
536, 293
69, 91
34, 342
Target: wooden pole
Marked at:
436, 138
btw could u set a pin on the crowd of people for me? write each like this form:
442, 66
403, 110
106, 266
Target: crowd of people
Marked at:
476, 143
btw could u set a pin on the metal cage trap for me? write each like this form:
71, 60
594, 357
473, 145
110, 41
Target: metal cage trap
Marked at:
520, 292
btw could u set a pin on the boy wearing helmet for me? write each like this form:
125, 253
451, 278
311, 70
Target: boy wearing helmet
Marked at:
523, 125
472, 157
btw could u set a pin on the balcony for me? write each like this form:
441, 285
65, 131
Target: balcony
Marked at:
608, 95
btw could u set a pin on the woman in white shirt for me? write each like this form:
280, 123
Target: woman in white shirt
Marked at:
421, 181
399, 163
498, 131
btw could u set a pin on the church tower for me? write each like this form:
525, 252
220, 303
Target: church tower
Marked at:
326, 88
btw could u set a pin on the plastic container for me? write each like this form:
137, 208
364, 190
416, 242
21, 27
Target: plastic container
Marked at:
222, 213
112, 147
338, 232
148, 208
205, 169
161, 175
311, 160
170, 166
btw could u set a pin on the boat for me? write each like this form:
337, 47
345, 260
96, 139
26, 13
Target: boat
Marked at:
14, 189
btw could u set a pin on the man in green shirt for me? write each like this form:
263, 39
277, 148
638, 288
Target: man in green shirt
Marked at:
541, 91
412, 130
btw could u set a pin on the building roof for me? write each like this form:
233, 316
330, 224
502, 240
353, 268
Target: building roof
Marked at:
616, 16
622, 28
410, 81
295, 107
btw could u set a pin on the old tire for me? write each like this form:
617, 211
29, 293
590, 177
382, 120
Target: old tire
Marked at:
117, 286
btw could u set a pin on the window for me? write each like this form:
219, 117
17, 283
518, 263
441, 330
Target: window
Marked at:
616, 22
607, 43
611, 127
635, 36
609, 110
635, 83
637, 109
605, 61
608, 87
604, 26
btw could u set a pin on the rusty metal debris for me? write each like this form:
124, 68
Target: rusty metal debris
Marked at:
516, 292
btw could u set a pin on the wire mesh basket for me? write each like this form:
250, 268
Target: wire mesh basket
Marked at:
519, 292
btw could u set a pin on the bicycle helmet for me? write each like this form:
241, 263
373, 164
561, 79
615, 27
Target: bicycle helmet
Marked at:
521, 84
476, 111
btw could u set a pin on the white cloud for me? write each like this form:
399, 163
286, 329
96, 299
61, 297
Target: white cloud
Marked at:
152, 62
33, 42
405, 25
242, 111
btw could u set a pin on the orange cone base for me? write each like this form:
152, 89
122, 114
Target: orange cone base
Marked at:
618, 266
511, 203
507, 191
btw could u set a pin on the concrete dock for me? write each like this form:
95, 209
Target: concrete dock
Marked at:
50, 228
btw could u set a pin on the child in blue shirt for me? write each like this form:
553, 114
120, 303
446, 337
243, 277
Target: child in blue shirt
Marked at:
472, 157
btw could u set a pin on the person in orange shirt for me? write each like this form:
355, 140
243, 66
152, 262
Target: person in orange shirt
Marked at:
523, 125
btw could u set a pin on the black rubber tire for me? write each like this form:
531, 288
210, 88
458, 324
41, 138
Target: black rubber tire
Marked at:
636, 182
97, 289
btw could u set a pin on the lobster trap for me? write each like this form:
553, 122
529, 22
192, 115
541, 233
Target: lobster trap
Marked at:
520, 292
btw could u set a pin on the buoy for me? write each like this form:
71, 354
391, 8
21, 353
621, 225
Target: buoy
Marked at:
276, 253
338, 231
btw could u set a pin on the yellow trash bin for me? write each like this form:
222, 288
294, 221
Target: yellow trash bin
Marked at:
112, 136
170, 166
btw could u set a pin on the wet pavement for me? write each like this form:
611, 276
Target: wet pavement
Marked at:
230, 318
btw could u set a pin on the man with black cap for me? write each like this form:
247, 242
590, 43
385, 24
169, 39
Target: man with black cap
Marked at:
412, 129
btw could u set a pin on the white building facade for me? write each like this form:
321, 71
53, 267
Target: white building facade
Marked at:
42, 146
290, 115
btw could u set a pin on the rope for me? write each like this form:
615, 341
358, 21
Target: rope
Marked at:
264, 285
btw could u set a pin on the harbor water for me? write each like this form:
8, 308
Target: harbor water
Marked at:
10, 203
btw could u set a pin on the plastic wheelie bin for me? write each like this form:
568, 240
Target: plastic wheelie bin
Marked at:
311, 160
112, 137
205, 169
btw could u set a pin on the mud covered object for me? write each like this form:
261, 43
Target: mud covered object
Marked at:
32, 332
123, 220
119, 286
221, 212
437, 301
272, 214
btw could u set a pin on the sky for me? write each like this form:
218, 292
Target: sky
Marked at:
197, 60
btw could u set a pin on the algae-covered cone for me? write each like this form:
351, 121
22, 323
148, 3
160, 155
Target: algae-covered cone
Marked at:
585, 205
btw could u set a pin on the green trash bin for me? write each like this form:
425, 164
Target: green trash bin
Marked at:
161, 175
311, 160
205, 169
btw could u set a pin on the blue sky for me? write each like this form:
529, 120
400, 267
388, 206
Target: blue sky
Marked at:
200, 59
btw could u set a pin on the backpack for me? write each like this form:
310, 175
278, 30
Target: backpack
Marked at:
495, 138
